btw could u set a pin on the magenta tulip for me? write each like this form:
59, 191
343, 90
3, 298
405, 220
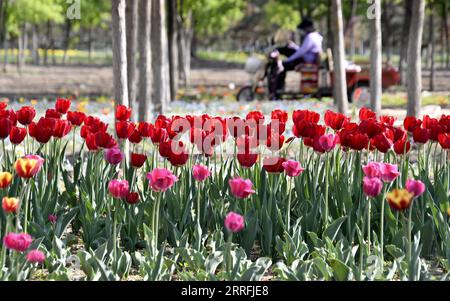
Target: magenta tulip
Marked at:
113, 155
241, 188
328, 142
161, 179
234, 222
372, 170
35, 256
200, 172
372, 186
292, 168
389, 172
415, 187
119, 189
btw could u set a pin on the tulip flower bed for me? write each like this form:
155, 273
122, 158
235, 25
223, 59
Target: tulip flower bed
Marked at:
223, 198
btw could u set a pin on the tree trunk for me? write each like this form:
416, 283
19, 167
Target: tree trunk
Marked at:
446, 33
184, 46
340, 85
47, 42
90, 44
387, 14
404, 41
160, 59
5, 55
351, 28
3, 4
22, 45
67, 32
376, 59
119, 52
329, 27
35, 44
131, 28
144, 66
432, 48
173, 47
414, 70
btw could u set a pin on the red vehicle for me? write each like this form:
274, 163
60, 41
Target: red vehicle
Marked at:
316, 80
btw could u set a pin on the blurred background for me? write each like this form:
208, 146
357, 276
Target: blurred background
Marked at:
194, 51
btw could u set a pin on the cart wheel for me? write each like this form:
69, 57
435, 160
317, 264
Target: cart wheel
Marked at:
245, 94
359, 95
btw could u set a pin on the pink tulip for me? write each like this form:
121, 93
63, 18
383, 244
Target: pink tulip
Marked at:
372, 170
241, 188
119, 189
415, 187
372, 186
113, 155
52, 218
292, 168
234, 222
328, 141
17, 241
389, 172
35, 256
161, 179
200, 172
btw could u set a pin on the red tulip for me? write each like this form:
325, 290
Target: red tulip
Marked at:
43, 130
275, 141
135, 137
273, 164
178, 156
257, 116
387, 120
366, 114
280, 115
159, 135
52, 113
165, 148
411, 123
138, 160
76, 118
145, 129
305, 115
17, 135
381, 142
132, 198
9, 114
25, 115
421, 135
247, 159
62, 128
236, 126
123, 113
5, 127
62, 105
124, 129
335, 120
359, 141
400, 148
444, 140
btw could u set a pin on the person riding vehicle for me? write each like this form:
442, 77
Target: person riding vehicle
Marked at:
308, 52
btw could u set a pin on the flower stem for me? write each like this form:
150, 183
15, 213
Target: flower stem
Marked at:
327, 171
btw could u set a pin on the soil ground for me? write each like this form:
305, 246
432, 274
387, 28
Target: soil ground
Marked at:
91, 81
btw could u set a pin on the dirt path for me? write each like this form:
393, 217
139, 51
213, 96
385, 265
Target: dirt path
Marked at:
39, 81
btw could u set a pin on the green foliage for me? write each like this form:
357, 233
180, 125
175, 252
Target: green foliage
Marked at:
281, 15
213, 17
